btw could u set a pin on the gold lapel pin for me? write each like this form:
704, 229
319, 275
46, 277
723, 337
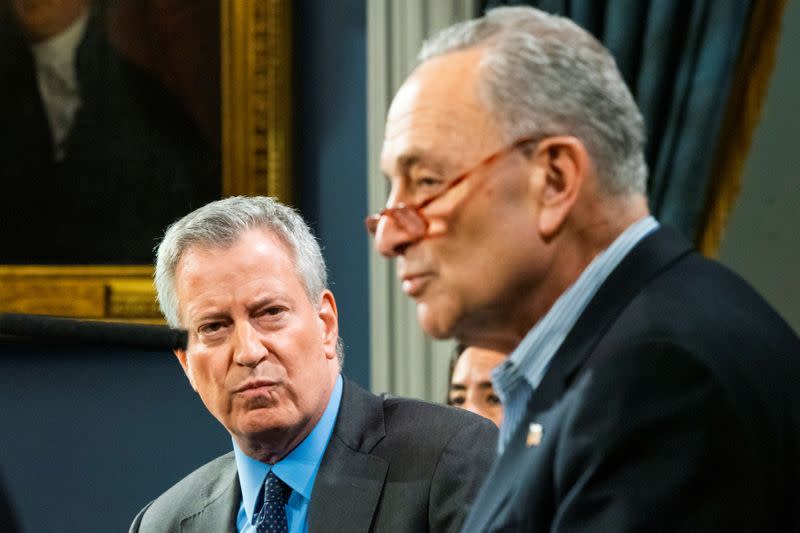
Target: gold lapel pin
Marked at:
534, 435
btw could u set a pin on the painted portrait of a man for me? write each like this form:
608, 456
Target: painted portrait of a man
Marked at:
98, 151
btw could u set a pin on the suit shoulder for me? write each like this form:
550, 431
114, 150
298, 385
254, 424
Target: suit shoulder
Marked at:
708, 313
430, 419
190, 494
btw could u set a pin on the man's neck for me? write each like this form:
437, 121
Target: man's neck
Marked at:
572, 251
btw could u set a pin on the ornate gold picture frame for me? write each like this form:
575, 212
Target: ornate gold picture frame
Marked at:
255, 58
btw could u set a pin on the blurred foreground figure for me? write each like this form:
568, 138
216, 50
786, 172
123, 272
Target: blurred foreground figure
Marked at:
471, 382
649, 389
312, 451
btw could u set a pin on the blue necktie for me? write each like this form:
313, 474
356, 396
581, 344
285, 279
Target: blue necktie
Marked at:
272, 516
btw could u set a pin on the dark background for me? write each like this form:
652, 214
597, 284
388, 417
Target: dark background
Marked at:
90, 436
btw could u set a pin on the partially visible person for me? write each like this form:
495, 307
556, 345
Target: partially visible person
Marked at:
471, 382
107, 151
312, 451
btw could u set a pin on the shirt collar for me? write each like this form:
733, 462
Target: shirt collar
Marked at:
58, 52
531, 358
299, 468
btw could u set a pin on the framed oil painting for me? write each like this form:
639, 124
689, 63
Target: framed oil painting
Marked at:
118, 117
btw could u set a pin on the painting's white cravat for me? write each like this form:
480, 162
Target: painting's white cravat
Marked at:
58, 81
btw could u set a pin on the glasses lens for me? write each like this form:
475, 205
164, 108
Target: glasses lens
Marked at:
371, 222
410, 221
406, 218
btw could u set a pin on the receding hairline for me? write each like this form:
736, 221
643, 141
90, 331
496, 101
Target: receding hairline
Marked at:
434, 105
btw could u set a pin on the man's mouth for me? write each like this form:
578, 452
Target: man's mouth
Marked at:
415, 284
256, 387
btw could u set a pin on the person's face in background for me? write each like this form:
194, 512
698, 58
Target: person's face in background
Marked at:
471, 383
42, 19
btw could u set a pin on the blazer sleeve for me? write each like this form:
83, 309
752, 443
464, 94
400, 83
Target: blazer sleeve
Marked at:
651, 442
137, 521
460, 472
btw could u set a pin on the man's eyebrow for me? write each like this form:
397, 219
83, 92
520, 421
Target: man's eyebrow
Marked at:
407, 161
211, 315
485, 384
415, 157
260, 303
457, 387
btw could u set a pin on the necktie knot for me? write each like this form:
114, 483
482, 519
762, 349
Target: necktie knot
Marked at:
275, 490
272, 516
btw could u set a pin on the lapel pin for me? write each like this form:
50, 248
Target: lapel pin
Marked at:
534, 435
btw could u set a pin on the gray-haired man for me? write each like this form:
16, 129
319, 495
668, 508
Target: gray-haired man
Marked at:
312, 451
648, 389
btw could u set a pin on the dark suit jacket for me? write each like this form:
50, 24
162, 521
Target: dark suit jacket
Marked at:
392, 464
673, 405
134, 160
8, 522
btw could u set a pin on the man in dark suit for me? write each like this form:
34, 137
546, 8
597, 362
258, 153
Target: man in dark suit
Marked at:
649, 389
312, 450
96, 155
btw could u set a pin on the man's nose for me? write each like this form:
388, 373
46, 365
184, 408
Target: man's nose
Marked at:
472, 407
391, 238
249, 348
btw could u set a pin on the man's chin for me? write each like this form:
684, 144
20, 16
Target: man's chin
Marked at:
433, 323
262, 422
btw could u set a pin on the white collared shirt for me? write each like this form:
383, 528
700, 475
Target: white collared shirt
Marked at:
57, 78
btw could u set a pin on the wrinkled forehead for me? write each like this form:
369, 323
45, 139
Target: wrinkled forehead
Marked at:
439, 108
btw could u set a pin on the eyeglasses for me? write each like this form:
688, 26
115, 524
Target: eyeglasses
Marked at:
410, 218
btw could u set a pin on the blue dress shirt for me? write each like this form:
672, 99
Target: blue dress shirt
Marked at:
298, 470
518, 376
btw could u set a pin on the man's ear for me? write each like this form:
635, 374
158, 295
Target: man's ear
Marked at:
566, 165
183, 359
329, 319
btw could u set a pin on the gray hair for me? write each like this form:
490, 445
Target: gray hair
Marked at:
218, 225
543, 74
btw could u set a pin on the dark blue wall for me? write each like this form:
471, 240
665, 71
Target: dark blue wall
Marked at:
88, 437
329, 59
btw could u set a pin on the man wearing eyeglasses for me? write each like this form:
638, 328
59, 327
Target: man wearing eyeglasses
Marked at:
648, 388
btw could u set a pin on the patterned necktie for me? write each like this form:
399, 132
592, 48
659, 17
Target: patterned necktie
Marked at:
272, 516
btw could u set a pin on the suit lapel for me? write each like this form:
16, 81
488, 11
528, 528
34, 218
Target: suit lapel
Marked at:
347, 490
499, 497
648, 258
217, 511
350, 481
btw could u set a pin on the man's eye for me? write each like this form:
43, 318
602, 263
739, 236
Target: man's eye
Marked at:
272, 311
210, 328
457, 400
428, 182
492, 399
